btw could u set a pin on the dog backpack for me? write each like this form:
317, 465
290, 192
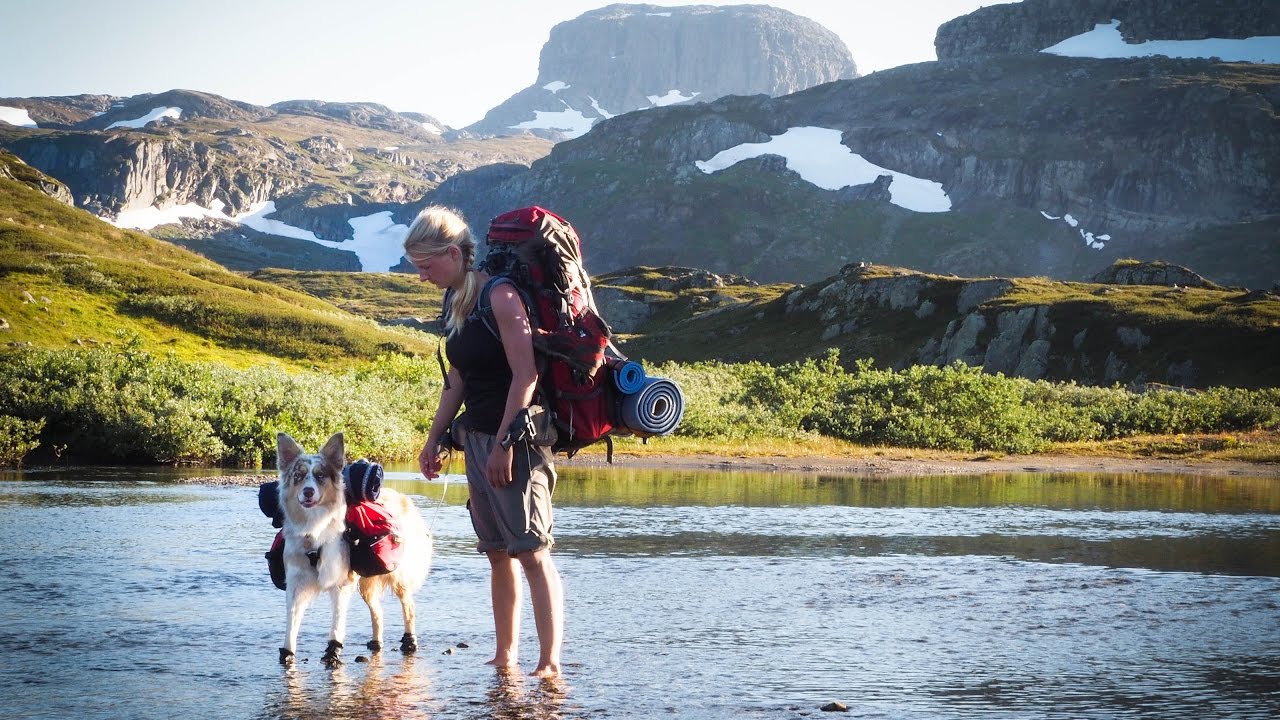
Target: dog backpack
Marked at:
373, 538
539, 253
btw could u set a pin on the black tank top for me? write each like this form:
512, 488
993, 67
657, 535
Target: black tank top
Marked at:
478, 356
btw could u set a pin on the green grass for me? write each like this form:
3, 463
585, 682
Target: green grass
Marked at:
71, 280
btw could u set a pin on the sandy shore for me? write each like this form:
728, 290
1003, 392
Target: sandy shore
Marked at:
890, 467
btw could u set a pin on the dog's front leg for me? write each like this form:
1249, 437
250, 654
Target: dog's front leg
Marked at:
341, 598
296, 601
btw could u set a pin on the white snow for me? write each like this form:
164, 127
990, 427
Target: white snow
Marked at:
16, 116
391, 148
671, 98
596, 106
1097, 242
568, 121
658, 14
154, 115
1105, 41
377, 241
555, 86
431, 128
818, 156
149, 217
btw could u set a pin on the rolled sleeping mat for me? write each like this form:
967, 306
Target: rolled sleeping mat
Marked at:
656, 409
363, 480
269, 502
628, 376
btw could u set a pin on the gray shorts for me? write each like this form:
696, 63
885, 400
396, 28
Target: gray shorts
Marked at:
515, 518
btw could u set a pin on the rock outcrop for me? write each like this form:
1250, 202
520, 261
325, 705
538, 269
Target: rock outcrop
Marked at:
1151, 273
13, 168
1030, 26
628, 57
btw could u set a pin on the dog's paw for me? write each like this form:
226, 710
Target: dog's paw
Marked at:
332, 653
408, 645
374, 645
286, 656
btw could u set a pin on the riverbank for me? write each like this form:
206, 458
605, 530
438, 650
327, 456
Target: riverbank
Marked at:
889, 463
925, 466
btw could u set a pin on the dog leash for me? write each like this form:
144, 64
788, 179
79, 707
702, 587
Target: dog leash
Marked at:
431, 527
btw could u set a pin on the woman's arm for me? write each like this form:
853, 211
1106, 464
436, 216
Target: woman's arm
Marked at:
429, 460
517, 344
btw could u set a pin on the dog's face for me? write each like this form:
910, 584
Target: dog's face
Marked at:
310, 480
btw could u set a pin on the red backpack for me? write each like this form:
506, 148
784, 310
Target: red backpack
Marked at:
539, 253
374, 539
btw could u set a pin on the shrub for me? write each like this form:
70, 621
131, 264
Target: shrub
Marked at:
17, 438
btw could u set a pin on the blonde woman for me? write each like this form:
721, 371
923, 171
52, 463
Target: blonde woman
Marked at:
510, 485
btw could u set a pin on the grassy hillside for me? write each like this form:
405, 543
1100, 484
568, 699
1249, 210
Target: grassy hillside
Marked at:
71, 280
380, 296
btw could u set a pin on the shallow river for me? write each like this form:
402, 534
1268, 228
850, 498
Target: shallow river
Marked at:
688, 594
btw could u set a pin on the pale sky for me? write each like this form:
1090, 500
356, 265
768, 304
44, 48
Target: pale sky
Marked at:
454, 59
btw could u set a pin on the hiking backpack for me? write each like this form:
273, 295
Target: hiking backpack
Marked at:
539, 253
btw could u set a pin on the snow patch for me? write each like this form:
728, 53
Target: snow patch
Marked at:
431, 128
572, 123
671, 98
596, 106
1095, 242
377, 241
16, 116
818, 156
1105, 41
556, 86
154, 115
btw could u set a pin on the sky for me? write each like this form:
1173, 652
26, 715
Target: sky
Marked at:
452, 59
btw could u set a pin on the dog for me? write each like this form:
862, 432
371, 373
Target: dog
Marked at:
317, 558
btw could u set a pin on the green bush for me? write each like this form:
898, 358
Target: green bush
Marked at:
135, 407
17, 438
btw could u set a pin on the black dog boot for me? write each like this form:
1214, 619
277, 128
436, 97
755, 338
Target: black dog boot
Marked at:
374, 645
408, 645
331, 653
286, 656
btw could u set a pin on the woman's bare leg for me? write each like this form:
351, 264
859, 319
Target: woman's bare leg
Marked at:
547, 593
504, 587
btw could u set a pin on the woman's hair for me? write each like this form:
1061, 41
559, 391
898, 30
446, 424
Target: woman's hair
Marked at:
434, 231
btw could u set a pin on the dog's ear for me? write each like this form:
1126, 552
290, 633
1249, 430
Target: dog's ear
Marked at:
286, 451
334, 452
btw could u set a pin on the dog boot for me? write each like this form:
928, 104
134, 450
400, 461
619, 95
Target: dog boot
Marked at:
286, 656
374, 645
408, 645
331, 653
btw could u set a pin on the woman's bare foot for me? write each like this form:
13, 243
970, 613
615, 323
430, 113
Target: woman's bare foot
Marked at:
549, 670
502, 662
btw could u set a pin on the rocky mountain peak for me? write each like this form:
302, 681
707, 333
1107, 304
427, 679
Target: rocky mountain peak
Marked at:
624, 57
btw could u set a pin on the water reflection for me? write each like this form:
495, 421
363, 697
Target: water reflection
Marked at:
694, 595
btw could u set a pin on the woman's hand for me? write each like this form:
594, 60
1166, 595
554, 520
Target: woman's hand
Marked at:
498, 467
430, 460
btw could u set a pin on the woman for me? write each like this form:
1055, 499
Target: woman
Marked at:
510, 485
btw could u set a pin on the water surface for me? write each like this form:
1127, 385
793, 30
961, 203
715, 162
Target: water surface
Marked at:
689, 594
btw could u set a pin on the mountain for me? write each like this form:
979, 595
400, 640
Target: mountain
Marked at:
994, 164
1027, 27
256, 185
624, 57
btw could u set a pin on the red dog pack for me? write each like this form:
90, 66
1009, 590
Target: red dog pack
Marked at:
373, 538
